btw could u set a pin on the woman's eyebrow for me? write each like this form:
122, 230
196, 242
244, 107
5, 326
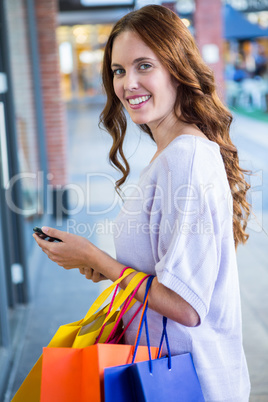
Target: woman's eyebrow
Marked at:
116, 65
138, 60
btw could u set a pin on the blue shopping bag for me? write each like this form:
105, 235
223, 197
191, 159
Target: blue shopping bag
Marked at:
169, 378
118, 385
180, 383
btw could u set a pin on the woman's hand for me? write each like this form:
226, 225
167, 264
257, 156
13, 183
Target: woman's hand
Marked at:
73, 252
78, 252
90, 273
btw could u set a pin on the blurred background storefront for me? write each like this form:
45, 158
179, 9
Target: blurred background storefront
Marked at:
81, 53
50, 83
82, 34
246, 55
31, 175
83, 31
20, 161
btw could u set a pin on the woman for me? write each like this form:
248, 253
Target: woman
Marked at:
189, 212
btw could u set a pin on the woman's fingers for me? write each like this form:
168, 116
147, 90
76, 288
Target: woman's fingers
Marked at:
91, 274
88, 272
59, 234
73, 252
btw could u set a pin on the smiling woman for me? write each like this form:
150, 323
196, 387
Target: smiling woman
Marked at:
189, 211
197, 106
153, 71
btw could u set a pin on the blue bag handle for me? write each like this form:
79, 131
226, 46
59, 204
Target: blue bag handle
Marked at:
163, 336
143, 319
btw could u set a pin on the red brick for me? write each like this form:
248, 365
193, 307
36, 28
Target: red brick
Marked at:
208, 30
55, 124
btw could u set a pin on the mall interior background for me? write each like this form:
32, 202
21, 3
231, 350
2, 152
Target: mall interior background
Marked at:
50, 62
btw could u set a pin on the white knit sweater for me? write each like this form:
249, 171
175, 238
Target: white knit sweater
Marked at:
177, 224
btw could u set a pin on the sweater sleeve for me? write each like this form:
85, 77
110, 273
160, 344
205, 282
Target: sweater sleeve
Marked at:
193, 209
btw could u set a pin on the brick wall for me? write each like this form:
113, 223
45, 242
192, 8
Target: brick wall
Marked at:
54, 112
208, 28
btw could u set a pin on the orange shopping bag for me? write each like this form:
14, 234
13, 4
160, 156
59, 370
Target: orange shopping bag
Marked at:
72, 375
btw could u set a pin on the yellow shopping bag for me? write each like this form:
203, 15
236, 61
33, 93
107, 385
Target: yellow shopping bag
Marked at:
82, 333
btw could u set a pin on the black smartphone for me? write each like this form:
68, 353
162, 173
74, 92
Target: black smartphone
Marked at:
43, 235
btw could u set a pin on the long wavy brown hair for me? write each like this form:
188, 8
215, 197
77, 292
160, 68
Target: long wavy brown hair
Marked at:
197, 100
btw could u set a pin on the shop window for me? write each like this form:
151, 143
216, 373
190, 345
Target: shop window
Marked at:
81, 52
23, 95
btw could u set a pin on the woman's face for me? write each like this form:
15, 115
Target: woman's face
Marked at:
141, 82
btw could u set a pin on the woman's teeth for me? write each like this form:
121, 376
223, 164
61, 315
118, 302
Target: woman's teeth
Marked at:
136, 101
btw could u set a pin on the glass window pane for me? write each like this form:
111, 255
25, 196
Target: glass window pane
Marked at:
22, 85
81, 52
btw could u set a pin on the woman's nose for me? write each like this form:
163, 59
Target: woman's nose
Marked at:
130, 82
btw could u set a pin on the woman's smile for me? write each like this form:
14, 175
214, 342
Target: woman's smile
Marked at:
136, 102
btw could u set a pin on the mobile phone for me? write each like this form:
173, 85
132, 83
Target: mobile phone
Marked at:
43, 235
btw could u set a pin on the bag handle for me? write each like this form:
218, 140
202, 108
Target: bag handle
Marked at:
124, 309
144, 321
129, 323
165, 335
119, 299
110, 306
125, 293
116, 289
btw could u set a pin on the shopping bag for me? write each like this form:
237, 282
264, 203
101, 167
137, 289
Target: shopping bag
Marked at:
161, 383
118, 384
170, 378
81, 333
72, 375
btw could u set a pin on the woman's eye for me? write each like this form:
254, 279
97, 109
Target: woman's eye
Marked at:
118, 71
145, 66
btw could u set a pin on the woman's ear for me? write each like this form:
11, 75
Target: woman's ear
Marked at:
176, 82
